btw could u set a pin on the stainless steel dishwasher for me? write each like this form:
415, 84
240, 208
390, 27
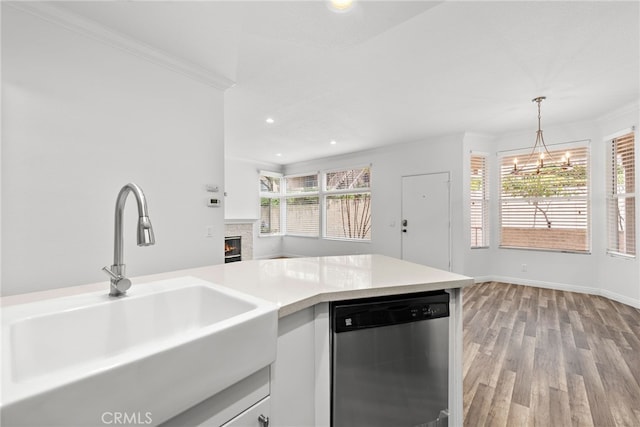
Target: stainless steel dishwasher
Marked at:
390, 360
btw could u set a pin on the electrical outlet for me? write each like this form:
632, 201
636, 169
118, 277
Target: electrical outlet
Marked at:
208, 231
524, 268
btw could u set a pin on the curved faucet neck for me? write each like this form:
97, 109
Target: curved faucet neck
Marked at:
142, 213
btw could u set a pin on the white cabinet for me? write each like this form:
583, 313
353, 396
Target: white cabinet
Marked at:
300, 381
256, 416
229, 404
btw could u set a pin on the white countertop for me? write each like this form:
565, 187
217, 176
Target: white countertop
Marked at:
298, 283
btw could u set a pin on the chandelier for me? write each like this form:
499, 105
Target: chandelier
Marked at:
540, 152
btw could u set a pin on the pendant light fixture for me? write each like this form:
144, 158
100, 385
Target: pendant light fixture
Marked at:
544, 161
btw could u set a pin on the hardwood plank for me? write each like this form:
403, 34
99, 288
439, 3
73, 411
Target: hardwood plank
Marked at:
499, 409
598, 404
578, 402
480, 405
518, 416
559, 408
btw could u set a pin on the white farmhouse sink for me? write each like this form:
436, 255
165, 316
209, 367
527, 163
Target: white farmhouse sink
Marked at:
151, 354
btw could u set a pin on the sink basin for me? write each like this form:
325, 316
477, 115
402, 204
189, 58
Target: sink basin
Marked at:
162, 348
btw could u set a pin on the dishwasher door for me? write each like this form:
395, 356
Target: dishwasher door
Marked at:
390, 361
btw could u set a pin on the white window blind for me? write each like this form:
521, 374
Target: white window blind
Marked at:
302, 205
549, 210
621, 198
479, 201
348, 204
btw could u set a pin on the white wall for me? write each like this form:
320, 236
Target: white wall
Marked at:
389, 164
81, 119
243, 200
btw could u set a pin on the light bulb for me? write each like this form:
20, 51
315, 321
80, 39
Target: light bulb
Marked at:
340, 5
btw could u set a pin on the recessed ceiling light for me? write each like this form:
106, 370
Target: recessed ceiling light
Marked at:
270, 120
278, 154
333, 142
340, 5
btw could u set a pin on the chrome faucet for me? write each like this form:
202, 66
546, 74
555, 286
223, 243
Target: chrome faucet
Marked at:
119, 283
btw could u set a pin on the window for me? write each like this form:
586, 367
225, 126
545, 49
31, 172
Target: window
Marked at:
549, 210
302, 205
298, 205
270, 215
621, 199
348, 204
479, 202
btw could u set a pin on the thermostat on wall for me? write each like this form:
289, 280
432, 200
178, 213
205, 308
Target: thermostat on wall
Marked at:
213, 203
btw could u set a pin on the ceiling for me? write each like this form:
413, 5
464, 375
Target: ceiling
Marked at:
389, 72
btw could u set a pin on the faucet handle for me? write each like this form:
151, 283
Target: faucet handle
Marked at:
119, 284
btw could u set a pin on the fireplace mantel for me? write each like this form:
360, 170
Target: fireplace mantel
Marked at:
240, 220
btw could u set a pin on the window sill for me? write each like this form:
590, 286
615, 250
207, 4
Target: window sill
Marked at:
613, 254
338, 239
562, 251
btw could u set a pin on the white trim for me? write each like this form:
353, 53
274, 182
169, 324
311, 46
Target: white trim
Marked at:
479, 153
272, 174
240, 220
619, 133
92, 29
620, 298
562, 287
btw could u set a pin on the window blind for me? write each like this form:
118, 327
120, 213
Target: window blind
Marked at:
302, 184
621, 199
479, 202
303, 216
549, 210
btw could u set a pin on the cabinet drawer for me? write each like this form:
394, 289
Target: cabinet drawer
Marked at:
226, 405
256, 416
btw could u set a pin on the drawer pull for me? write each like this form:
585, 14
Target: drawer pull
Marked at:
264, 421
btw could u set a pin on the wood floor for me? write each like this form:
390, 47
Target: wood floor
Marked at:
541, 357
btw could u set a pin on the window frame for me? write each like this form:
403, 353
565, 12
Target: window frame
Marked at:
272, 196
586, 198
322, 193
484, 199
328, 193
612, 195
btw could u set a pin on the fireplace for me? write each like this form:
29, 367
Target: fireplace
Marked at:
232, 249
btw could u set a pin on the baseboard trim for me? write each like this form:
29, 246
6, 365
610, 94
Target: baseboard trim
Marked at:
562, 287
620, 298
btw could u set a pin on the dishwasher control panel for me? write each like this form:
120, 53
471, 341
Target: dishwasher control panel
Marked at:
371, 313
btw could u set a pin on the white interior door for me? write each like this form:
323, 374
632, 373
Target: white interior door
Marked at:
426, 220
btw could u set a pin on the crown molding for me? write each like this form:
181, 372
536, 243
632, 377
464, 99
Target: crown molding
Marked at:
106, 35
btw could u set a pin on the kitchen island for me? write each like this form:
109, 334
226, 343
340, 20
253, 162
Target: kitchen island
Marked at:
302, 289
